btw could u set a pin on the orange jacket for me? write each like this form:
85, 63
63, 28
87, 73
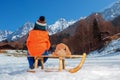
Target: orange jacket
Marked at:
37, 42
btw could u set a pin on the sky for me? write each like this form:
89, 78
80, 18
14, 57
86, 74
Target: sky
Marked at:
15, 13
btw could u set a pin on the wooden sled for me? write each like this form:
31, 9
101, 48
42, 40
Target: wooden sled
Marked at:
62, 61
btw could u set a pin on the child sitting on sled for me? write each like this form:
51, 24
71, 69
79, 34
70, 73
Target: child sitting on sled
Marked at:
37, 42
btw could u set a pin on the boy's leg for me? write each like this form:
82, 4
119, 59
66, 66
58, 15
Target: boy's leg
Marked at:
31, 62
45, 59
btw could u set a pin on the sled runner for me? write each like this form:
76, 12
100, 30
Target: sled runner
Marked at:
61, 62
30, 70
80, 64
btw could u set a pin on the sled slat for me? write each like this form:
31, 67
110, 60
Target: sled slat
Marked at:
61, 60
69, 56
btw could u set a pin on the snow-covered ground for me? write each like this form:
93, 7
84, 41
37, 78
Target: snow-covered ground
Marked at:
103, 64
97, 68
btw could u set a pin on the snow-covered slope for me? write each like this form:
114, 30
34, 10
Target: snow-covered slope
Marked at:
112, 11
21, 31
113, 48
59, 25
4, 34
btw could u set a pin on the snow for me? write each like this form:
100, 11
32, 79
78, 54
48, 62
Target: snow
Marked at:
59, 25
112, 11
103, 64
113, 48
4, 34
95, 68
20, 32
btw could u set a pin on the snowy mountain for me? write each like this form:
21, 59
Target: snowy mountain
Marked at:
21, 31
111, 12
4, 34
112, 49
59, 25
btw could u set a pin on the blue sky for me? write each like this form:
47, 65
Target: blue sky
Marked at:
14, 13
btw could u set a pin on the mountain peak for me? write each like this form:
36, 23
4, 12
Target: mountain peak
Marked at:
4, 34
112, 11
21, 31
61, 19
59, 25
